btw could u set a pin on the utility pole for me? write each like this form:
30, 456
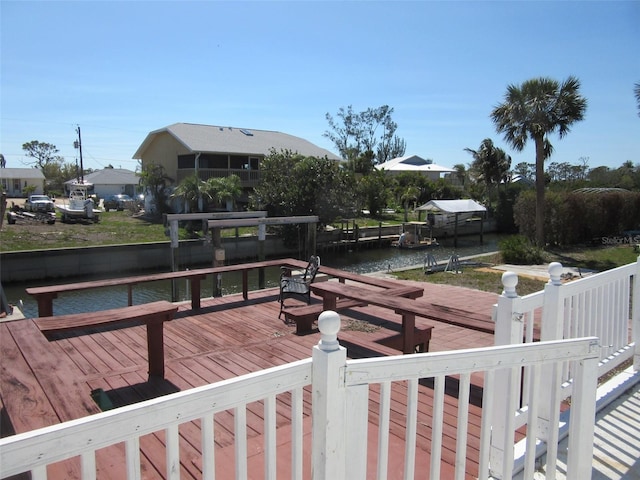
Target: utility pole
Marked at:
78, 144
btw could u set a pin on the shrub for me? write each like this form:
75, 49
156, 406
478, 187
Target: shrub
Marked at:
579, 217
520, 251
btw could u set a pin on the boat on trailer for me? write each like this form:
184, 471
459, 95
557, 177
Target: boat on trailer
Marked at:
79, 205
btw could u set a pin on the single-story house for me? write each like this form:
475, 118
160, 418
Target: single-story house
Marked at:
110, 181
185, 149
414, 163
15, 181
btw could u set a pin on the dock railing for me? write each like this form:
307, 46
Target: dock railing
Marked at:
604, 305
344, 396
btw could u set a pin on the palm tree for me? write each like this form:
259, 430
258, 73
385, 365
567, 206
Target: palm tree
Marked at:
223, 189
410, 194
636, 92
534, 110
460, 173
191, 190
491, 164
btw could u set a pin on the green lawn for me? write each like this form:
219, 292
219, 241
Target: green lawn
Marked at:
592, 258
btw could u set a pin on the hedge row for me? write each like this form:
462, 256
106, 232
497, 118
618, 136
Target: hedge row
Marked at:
578, 217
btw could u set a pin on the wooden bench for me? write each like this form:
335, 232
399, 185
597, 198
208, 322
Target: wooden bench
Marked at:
152, 314
407, 308
305, 316
45, 295
378, 343
342, 276
421, 339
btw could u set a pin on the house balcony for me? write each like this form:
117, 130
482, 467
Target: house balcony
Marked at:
248, 178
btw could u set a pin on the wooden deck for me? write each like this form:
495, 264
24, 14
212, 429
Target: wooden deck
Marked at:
45, 382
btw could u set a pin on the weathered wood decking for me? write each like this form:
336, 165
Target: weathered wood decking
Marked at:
45, 382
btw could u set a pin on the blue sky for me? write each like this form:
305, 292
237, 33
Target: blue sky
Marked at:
121, 69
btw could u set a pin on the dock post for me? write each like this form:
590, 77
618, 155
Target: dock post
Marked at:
262, 236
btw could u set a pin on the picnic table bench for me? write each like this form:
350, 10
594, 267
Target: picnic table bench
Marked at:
153, 315
305, 316
45, 295
408, 308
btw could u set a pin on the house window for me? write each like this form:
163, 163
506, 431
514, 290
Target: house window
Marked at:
186, 161
16, 185
211, 160
239, 162
253, 163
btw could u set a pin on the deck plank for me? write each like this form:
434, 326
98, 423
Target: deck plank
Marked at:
26, 403
227, 337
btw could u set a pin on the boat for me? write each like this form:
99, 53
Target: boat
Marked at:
415, 236
79, 205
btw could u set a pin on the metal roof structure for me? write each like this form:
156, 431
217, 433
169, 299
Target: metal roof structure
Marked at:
232, 140
453, 206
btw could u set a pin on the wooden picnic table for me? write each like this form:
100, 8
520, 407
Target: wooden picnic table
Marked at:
331, 291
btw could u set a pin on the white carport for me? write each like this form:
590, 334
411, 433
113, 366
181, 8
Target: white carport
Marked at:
455, 207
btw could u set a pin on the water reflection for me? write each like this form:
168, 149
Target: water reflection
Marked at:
357, 261
375, 260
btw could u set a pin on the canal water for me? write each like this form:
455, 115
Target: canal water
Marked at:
357, 261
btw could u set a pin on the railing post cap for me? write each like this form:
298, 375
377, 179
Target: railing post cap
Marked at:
329, 326
509, 282
555, 273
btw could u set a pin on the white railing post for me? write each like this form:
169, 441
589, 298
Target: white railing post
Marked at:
582, 418
635, 317
329, 401
552, 328
553, 311
508, 331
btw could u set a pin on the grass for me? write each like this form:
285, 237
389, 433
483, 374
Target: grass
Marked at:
592, 258
113, 228
595, 258
475, 278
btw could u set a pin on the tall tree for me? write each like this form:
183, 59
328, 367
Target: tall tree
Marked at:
155, 181
636, 92
490, 164
460, 174
365, 138
43, 153
410, 195
291, 184
534, 110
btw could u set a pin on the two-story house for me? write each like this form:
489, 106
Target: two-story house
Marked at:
185, 149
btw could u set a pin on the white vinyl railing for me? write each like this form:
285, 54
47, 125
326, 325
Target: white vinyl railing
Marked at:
605, 305
341, 391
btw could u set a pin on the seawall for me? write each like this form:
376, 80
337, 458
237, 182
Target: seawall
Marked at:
106, 260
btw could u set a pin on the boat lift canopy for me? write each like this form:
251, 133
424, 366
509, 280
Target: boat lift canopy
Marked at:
456, 207
452, 206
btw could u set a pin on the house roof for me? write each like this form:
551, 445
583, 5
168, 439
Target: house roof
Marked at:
24, 173
453, 206
413, 163
112, 176
216, 139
